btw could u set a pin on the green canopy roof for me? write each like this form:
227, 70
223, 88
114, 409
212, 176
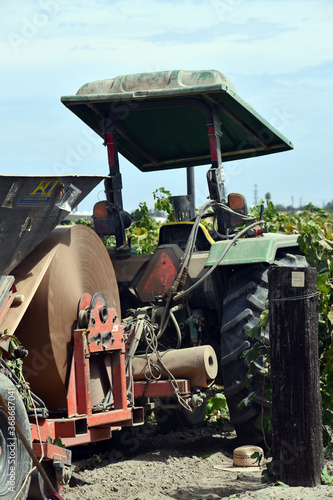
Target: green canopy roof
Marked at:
160, 119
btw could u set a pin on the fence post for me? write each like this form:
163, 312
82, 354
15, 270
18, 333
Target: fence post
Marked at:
296, 401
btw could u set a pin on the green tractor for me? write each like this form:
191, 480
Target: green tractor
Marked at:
199, 287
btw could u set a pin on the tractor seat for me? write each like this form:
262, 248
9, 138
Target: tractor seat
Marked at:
179, 232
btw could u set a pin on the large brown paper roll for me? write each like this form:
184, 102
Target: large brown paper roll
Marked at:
198, 364
70, 262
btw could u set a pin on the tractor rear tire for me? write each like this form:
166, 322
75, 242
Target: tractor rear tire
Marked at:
15, 461
245, 301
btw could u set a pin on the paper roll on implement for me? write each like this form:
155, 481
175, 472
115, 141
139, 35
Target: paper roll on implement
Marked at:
75, 261
198, 364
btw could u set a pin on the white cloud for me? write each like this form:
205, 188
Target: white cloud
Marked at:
147, 33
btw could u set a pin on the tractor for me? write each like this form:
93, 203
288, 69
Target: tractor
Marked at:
106, 334
199, 287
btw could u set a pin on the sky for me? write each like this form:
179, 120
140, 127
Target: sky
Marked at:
277, 53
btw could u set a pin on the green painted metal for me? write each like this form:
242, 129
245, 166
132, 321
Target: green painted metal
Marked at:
251, 250
160, 121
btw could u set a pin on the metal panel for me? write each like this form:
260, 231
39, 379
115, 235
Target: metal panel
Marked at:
251, 250
31, 207
161, 118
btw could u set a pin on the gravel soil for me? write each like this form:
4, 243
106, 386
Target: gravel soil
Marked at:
143, 464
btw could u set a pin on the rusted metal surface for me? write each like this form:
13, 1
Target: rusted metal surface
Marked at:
160, 388
160, 273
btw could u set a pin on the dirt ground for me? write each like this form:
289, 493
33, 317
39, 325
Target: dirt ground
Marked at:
142, 464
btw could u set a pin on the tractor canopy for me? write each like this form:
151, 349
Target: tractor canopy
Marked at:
162, 120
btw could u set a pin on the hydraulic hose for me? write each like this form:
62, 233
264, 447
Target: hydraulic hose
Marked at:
226, 250
175, 322
181, 276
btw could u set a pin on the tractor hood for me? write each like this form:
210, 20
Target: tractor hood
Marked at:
160, 119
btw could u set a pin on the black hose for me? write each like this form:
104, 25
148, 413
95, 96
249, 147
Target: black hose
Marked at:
226, 250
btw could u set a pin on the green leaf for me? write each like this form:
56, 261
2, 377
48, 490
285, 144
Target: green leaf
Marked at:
325, 477
330, 315
140, 232
280, 483
328, 245
257, 457
57, 441
163, 202
267, 477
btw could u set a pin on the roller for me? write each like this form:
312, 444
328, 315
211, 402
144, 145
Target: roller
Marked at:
72, 260
198, 364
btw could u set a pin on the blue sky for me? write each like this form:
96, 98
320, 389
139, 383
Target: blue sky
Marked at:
278, 54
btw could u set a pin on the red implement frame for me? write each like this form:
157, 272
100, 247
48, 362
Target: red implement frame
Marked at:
84, 424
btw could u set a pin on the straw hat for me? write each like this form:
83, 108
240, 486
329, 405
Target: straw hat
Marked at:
242, 456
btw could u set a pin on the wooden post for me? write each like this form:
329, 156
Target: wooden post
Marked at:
296, 401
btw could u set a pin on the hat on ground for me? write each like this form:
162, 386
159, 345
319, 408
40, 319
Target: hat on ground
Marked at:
242, 456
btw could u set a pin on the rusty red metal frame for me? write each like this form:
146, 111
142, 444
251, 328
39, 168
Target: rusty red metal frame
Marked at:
81, 424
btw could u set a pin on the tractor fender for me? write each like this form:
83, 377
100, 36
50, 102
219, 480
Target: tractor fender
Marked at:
251, 250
